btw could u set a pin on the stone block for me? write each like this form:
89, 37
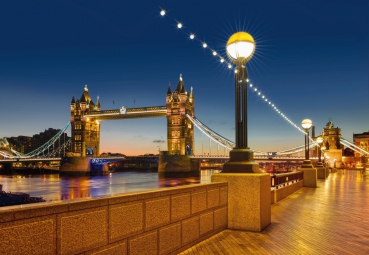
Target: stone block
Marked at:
169, 238
86, 203
148, 194
80, 231
6, 215
220, 217
145, 244
190, 230
281, 193
213, 198
125, 220
249, 201
206, 222
118, 248
321, 172
223, 195
310, 177
40, 210
157, 212
180, 207
31, 236
122, 198
198, 201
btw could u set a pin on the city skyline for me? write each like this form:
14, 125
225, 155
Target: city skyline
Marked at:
311, 60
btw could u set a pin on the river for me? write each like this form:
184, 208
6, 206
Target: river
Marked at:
53, 187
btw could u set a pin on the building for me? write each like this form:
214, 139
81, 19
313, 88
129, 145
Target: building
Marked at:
20, 143
361, 140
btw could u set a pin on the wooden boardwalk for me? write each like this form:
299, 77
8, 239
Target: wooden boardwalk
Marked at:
330, 219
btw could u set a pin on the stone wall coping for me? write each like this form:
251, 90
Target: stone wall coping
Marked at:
17, 212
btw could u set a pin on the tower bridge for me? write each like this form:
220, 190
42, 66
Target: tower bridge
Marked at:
179, 110
85, 118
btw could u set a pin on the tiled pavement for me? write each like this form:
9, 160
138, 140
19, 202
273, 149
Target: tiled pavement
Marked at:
330, 219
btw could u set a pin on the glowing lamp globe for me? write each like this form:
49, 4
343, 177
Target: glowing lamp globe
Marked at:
240, 47
306, 124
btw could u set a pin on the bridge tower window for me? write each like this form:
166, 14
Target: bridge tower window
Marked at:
77, 147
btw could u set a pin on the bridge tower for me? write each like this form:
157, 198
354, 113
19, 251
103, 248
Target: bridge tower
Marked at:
180, 130
333, 148
85, 131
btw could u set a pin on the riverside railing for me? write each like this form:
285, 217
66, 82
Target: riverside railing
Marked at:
281, 180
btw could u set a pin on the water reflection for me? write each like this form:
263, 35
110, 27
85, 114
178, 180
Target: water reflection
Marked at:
54, 187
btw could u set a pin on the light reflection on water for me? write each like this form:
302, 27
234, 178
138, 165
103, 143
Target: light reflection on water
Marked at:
53, 187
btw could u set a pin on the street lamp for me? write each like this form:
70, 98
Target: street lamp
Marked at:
240, 48
306, 124
319, 140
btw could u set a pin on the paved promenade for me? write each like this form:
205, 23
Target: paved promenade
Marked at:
331, 219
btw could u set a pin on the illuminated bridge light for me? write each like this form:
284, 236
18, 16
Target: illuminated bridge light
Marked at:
162, 12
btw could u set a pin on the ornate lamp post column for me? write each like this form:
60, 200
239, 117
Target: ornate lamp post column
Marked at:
310, 173
242, 174
322, 172
306, 124
240, 48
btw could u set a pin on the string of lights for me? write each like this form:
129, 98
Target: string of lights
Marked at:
252, 87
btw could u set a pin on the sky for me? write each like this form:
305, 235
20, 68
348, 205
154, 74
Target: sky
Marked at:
311, 61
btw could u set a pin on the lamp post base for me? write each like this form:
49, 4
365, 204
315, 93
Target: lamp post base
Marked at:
307, 164
241, 160
310, 174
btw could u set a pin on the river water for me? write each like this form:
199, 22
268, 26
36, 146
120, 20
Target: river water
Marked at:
53, 187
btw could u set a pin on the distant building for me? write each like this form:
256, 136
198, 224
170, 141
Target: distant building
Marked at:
109, 154
361, 140
20, 143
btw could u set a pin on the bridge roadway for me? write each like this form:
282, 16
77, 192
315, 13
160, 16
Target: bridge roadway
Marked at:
329, 219
260, 158
257, 158
11, 160
129, 113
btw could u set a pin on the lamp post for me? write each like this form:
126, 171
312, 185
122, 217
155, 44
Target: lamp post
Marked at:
240, 48
306, 125
319, 140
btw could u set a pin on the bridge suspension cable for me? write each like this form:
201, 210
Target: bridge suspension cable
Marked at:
215, 136
58, 150
43, 147
354, 147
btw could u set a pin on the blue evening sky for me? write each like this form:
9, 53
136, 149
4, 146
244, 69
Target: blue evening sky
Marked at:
311, 61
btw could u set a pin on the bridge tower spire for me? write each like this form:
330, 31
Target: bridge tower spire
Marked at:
180, 130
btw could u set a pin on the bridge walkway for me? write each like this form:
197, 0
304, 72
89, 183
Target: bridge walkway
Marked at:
331, 219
